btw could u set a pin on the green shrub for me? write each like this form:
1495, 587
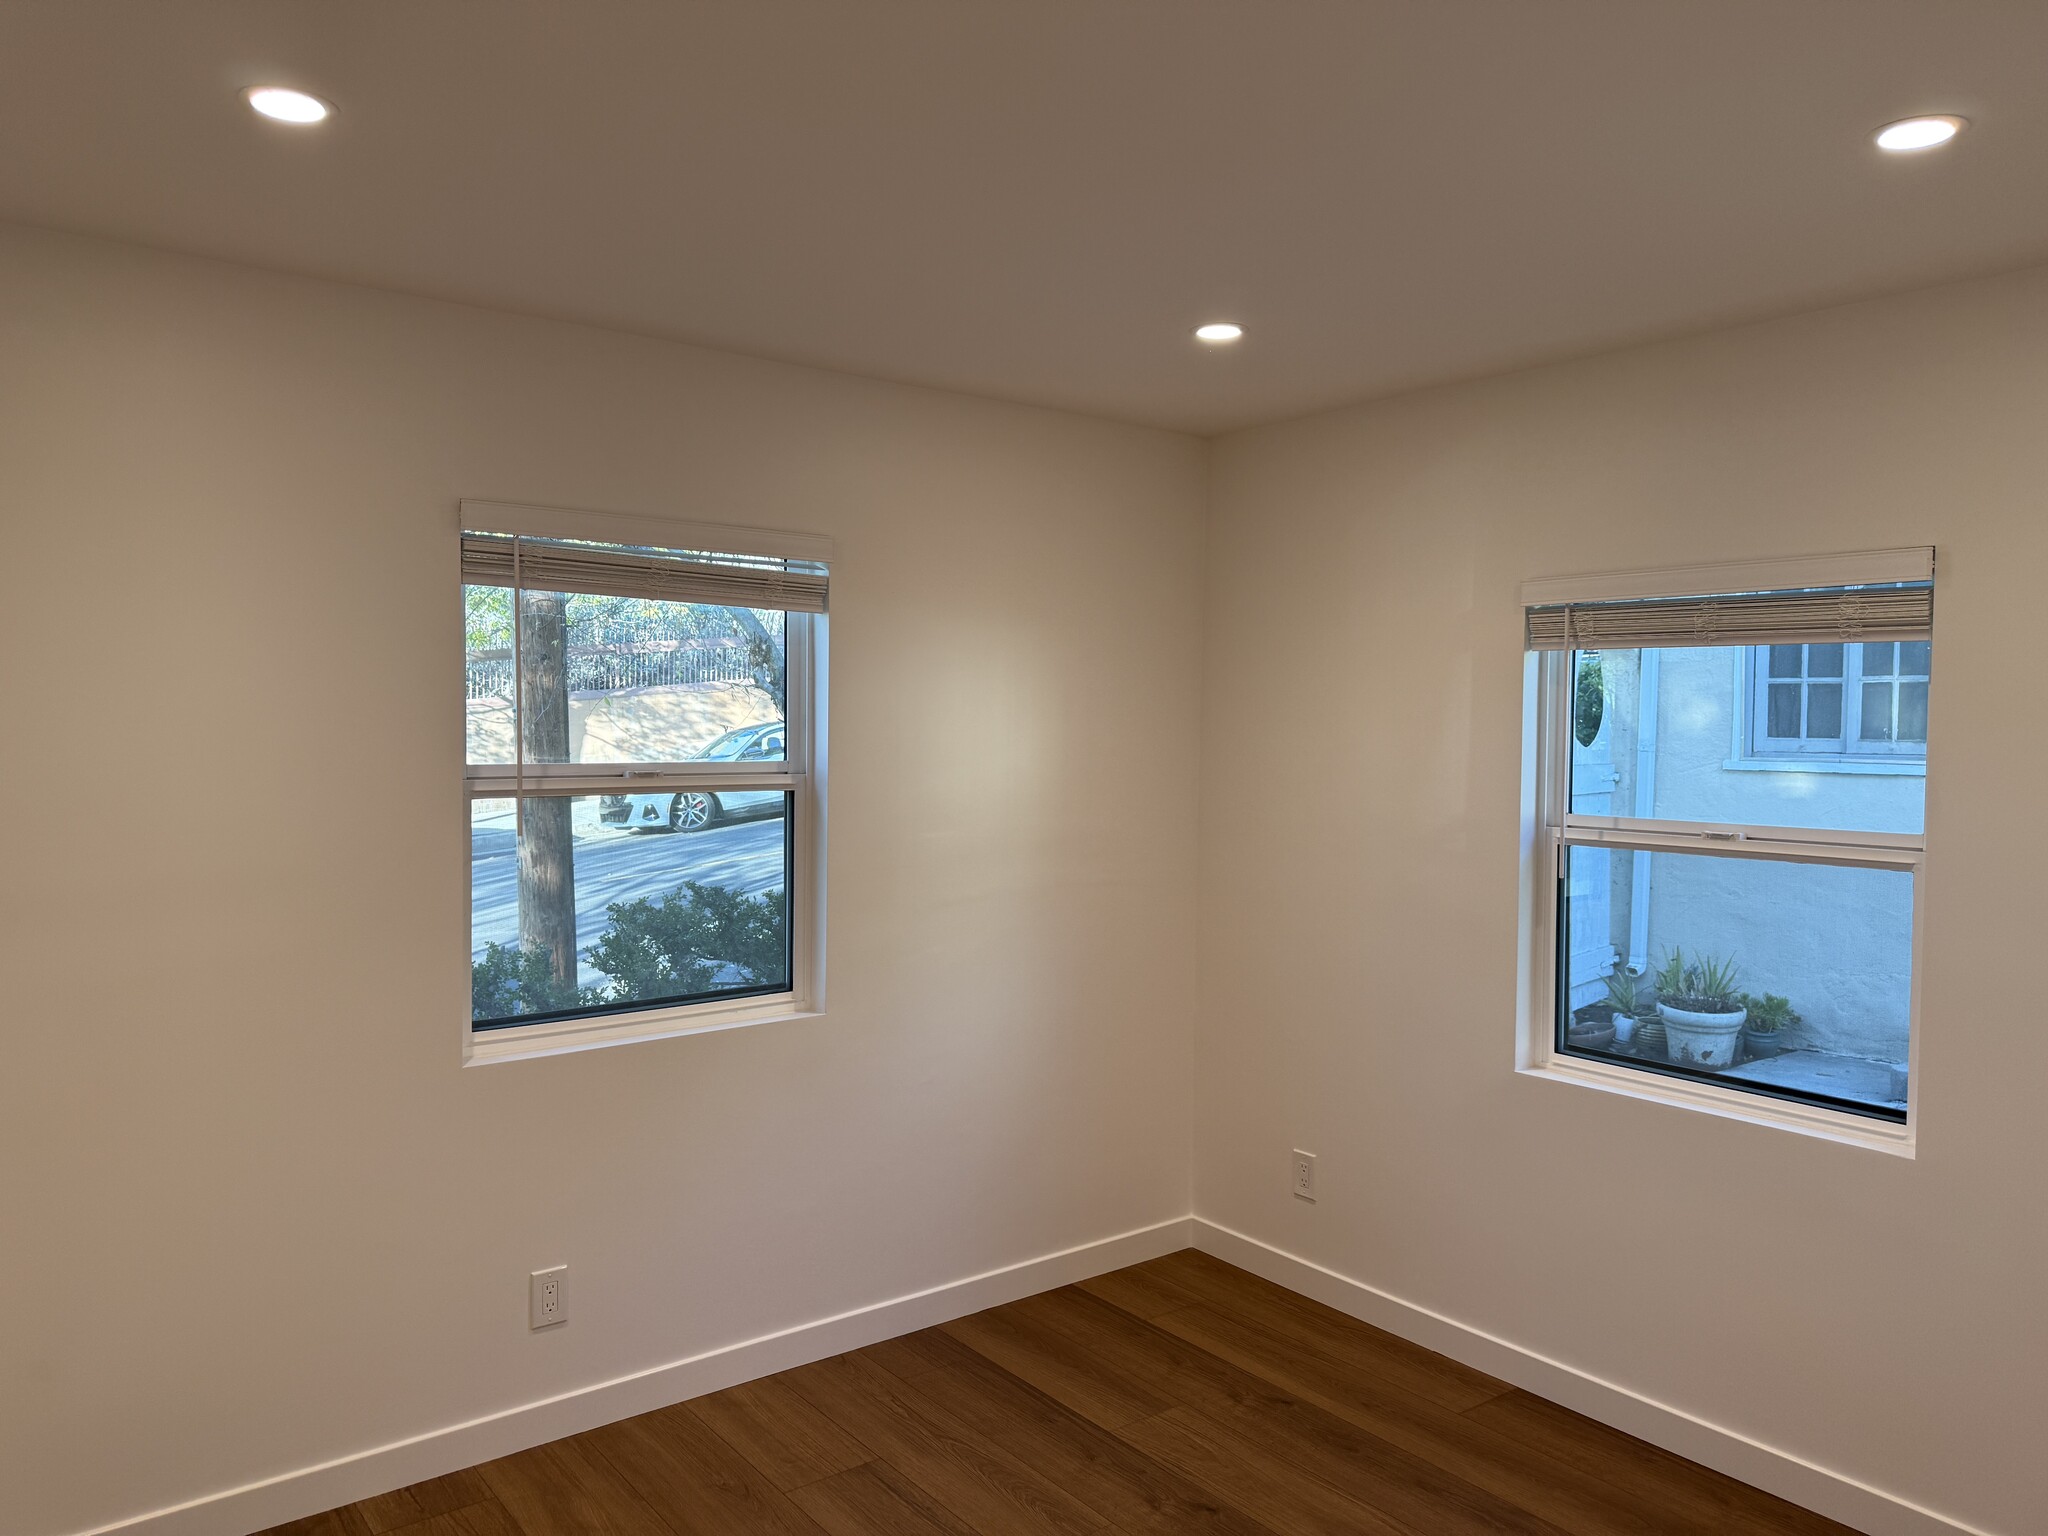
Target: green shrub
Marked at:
655, 946
510, 981
1770, 1013
660, 946
1589, 705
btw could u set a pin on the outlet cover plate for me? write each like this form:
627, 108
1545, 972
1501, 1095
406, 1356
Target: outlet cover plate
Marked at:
547, 1297
1304, 1175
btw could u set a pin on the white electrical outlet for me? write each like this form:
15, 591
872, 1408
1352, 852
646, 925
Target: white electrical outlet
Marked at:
1304, 1175
546, 1303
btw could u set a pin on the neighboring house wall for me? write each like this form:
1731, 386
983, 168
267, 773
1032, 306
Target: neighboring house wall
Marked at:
1849, 979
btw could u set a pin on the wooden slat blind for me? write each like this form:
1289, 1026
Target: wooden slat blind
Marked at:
1755, 618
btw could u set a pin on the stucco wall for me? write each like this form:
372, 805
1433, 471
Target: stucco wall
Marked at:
1696, 740
1837, 943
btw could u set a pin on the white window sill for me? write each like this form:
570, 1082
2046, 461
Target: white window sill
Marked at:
1731, 1104
525, 1042
1895, 767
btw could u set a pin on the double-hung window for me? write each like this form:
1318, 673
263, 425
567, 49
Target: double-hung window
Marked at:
641, 709
1698, 931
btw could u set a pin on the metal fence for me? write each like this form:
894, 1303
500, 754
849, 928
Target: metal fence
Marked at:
640, 664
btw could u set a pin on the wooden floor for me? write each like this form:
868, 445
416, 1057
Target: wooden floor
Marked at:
1177, 1396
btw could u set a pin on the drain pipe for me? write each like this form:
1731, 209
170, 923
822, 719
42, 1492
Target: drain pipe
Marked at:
1645, 806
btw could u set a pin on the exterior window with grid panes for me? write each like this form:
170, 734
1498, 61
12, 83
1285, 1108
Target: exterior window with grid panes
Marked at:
1840, 699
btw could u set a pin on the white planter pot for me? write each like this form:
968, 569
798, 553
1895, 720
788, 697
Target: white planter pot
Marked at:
1701, 1039
1624, 1029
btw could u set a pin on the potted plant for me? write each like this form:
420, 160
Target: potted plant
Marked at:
1702, 1012
1623, 998
1592, 1027
1770, 1019
1650, 1037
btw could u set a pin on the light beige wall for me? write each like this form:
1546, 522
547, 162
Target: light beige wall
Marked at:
1880, 1317
256, 1213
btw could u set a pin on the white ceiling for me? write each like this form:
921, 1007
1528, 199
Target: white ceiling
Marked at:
1036, 199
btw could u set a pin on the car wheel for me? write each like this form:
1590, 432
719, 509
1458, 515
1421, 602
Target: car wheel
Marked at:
691, 812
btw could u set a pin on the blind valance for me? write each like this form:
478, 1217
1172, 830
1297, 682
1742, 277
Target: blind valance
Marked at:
1902, 612
662, 575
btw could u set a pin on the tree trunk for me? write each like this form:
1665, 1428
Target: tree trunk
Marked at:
764, 655
547, 871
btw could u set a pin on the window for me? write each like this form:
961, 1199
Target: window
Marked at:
1864, 699
641, 724
1704, 933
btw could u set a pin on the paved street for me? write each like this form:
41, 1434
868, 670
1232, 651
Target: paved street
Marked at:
617, 866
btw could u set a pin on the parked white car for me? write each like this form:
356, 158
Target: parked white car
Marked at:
692, 810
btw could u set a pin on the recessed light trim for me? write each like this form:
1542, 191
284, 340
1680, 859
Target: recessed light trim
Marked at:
1219, 333
1910, 134
287, 106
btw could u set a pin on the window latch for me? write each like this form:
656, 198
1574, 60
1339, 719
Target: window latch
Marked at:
1723, 837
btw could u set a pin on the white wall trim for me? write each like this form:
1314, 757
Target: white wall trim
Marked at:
1826, 1492
641, 530
1867, 567
310, 1490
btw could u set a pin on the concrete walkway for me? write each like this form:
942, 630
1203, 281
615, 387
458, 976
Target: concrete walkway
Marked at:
1839, 1077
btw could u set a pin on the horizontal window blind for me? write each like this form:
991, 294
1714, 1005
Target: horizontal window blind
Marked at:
1754, 618
668, 576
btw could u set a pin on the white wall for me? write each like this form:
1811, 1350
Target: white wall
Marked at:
1881, 1317
256, 1214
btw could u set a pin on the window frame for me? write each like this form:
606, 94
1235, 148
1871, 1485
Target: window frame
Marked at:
800, 774
1548, 826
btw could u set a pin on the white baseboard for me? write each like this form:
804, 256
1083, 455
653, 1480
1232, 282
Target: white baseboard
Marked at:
309, 1490
1833, 1494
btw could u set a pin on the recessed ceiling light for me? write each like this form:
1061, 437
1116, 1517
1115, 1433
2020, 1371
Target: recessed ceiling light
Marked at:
1218, 332
1913, 133
287, 106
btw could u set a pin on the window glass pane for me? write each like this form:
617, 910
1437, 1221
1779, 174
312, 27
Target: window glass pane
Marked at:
1834, 944
1877, 712
1877, 659
1784, 709
1680, 741
1913, 712
1914, 658
1824, 661
1824, 712
1785, 660
748, 744
487, 658
660, 897
618, 680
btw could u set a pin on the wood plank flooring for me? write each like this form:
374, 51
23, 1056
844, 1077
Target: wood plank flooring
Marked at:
1179, 1396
